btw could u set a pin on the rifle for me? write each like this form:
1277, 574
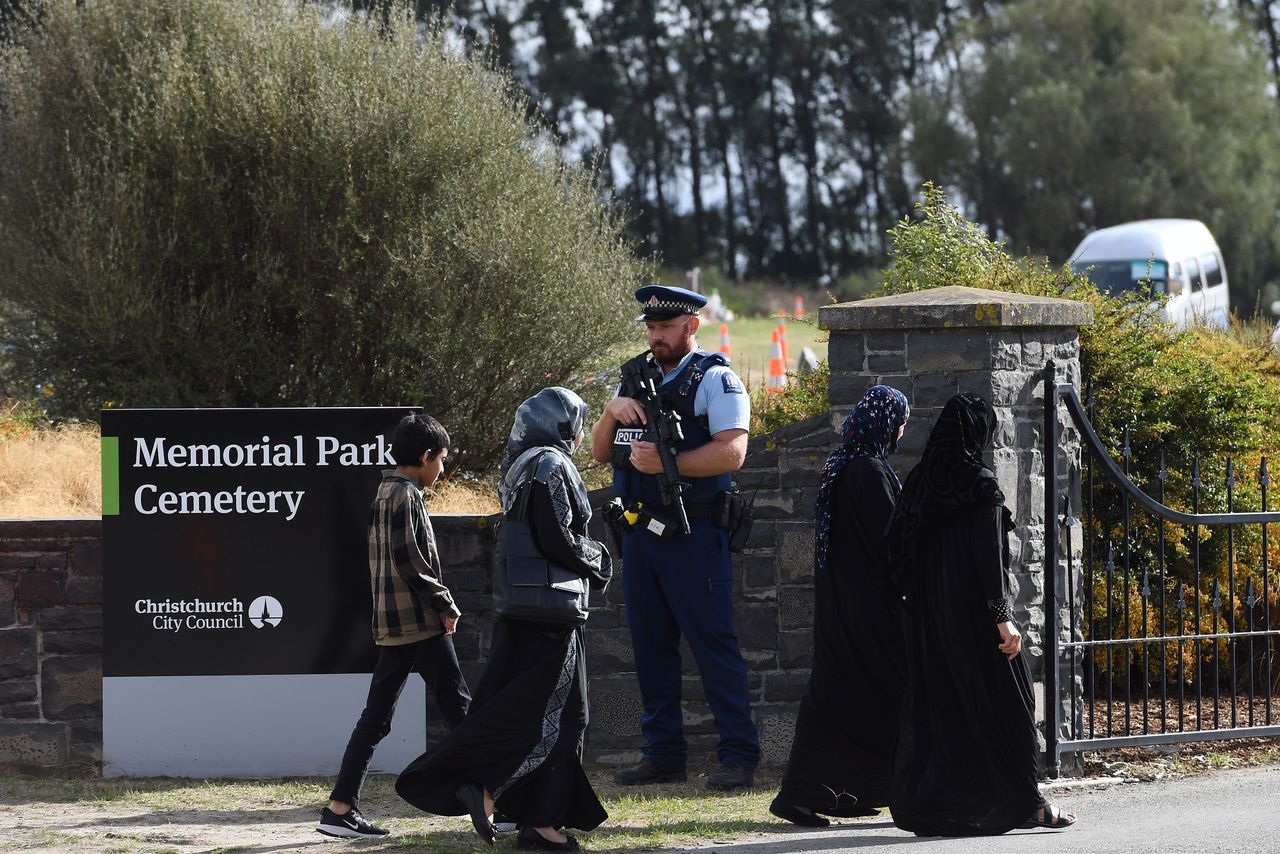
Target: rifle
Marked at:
662, 428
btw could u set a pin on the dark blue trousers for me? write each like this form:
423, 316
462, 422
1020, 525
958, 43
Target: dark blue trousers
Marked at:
685, 587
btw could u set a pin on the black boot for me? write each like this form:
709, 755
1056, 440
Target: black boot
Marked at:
726, 778
648, 771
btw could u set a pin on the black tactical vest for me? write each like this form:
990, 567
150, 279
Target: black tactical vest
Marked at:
678, 395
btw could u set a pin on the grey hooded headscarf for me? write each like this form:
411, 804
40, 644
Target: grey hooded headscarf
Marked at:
548, 421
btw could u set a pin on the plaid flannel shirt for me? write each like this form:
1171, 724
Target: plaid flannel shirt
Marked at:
409, 594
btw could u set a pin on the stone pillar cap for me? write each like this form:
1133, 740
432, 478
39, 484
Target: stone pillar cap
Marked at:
954, 307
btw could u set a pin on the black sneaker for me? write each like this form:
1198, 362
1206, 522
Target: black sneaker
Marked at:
729, 777
648, 771
349, 825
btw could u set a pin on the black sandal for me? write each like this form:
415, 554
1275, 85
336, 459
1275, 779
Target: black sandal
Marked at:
789, 811
1048, 816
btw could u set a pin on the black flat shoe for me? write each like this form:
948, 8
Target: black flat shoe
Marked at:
851, 812
531, 840
472, 797
848, 806
790, 812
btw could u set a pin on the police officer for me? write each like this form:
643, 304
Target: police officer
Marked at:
682, 584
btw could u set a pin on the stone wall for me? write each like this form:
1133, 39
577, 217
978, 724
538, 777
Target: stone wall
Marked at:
773, 605
51, 601
50, 643
773, 602
936, 343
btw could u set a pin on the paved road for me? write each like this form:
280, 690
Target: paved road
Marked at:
1224, 811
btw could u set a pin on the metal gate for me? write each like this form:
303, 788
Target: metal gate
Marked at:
1155, 643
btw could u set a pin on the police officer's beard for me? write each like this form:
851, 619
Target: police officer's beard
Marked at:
668, 356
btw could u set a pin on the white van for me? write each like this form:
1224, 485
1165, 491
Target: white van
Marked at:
1178, 256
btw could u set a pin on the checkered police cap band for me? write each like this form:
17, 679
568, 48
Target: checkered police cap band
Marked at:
681, 306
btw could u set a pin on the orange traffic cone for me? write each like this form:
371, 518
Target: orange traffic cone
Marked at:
782, 336
799, 312
777, 379
724, 340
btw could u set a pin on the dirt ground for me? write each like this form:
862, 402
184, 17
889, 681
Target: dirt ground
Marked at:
257, 825
106, 827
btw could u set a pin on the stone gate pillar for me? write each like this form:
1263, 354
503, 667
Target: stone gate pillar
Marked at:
933, 344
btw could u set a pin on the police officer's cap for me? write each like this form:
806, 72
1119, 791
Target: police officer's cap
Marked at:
663, 302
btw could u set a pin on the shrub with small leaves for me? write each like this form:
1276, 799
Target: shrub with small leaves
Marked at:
254, 202
804, 395
1190, 394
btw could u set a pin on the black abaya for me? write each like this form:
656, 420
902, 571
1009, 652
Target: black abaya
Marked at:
522, 735
839, 762
520, 739
965, 760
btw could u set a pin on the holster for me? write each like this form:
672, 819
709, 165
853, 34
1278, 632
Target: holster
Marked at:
616, 522
656, 525
734, 513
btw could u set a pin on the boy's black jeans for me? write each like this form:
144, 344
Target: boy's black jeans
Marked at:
437, 664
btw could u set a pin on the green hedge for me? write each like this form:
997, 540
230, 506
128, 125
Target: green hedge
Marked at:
1193, 395
246, 203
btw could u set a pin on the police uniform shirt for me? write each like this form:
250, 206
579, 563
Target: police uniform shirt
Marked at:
721, 397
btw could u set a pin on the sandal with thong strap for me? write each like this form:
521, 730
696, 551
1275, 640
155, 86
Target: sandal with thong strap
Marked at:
1049, 816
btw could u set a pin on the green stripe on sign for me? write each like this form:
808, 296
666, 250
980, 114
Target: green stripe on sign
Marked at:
110, 475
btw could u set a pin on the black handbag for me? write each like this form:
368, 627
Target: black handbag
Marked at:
527, 586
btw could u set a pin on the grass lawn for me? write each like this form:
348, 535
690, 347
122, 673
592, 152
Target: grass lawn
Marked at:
751, 341
177, 816
172, 816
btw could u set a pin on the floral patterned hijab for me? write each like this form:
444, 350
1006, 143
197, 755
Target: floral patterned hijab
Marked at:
870, 430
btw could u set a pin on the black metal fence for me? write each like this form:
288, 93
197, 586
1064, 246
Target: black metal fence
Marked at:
1156, 641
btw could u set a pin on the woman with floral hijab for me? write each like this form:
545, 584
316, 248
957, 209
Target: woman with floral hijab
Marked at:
518, 748
839, 763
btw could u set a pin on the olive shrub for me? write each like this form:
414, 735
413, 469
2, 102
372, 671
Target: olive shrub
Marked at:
253, 203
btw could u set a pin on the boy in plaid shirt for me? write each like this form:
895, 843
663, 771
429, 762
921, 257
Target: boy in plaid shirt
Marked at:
414, 615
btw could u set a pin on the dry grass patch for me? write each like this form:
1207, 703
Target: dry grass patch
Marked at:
473, 497
50, 472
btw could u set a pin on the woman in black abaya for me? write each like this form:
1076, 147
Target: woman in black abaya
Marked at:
518, 746
839, 762
965, 760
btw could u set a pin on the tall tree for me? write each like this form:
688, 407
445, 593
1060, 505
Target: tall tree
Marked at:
1065, 116
1265, 17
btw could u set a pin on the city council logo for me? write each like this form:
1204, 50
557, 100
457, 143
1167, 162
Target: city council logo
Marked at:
265, 611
